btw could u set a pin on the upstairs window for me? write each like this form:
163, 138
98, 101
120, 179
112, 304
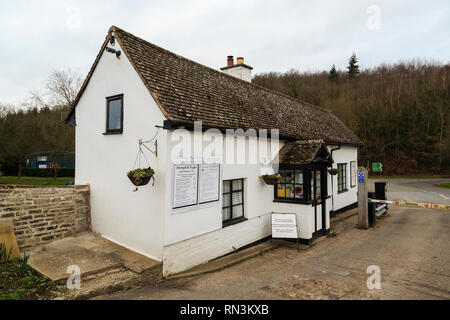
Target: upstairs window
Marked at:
114, 114
342, 177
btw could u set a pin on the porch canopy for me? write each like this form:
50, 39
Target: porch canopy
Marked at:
305, 153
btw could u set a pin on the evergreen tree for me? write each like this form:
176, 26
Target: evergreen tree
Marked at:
333, 75
353, 68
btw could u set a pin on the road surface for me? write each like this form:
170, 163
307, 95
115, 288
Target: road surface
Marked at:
409, 245
418, 190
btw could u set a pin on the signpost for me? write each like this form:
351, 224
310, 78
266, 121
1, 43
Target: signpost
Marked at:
363, 215
377, 167
284, 225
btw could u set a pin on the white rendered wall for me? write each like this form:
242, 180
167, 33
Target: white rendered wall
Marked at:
344, 155
195, 236
305, 216
240, 72
132, 219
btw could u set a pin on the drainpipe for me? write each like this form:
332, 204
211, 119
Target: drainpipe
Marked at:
332, 191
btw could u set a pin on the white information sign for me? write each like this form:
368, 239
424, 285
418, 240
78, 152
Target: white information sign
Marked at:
284, 225
209, 179
185, 184
353, 173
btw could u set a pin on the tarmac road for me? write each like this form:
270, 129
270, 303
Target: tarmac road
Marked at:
409, 245
418, 190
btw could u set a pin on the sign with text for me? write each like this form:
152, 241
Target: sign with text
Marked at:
209, 180
353, 173
284, 225
185, 185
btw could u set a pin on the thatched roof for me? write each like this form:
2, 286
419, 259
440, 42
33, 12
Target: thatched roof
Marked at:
187, 91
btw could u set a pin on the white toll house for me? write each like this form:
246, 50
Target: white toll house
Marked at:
226, 155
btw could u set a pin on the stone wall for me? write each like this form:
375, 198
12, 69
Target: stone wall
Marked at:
43, 214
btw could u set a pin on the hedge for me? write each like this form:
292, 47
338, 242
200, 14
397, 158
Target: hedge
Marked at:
48, 172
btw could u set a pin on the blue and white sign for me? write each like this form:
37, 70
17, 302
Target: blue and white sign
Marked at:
361, 176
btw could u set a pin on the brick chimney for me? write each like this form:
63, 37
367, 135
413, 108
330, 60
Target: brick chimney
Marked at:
239, 70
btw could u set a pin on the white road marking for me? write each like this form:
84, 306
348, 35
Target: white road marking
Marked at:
440, 195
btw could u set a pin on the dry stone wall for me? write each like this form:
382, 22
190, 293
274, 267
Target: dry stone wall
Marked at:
43, 214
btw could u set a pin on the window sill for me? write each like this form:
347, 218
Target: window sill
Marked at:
234, 221
293, 201
107, 133
342, 191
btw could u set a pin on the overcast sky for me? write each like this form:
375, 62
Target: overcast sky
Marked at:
40, 36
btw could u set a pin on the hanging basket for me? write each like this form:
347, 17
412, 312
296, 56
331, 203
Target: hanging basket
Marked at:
141, 177
271, 179
333, 171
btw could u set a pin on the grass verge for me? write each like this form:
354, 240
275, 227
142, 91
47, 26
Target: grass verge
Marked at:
411, 176
35, 181
444, 185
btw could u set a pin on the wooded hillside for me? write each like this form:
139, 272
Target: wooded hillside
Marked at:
37, 125
401, 112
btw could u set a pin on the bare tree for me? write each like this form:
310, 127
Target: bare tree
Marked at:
35, 100
5, 109
63, 86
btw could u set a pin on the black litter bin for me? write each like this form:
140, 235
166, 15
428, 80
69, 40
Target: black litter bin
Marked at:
380, 190
371, 210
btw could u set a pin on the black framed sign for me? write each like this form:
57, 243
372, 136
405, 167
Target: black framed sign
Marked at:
185, 186
353, 174
209, 183
195, 184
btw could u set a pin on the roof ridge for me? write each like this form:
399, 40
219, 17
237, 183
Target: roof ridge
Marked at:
114, 28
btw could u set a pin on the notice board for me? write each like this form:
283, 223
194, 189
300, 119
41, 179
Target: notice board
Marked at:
284, 225
185, 185
194, 185
353, 173
209, 182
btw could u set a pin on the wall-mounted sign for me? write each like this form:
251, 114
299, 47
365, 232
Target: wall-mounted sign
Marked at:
284, 225
195, 184
353, 173
209, 182
185, 185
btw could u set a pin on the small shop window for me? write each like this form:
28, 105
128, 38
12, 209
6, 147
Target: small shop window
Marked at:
233, 201
114, 114
342, 177
291, 185
315, 184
